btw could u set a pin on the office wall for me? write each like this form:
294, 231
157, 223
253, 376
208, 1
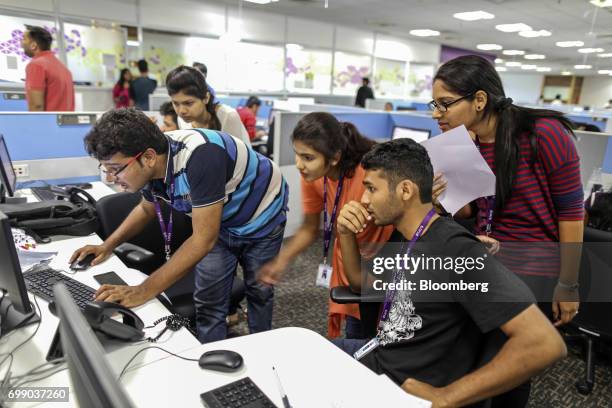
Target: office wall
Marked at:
523, 88
596, 91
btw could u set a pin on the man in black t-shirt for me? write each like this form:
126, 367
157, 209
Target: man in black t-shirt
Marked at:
431, 336
364, 92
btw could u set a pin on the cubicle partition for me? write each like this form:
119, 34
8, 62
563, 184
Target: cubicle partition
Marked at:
13, 102
51, 145
325, 107
595, 150
600, 122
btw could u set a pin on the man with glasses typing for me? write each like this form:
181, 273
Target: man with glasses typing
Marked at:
237, 200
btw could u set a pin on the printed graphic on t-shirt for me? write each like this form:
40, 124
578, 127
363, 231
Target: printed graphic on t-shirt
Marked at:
402, 322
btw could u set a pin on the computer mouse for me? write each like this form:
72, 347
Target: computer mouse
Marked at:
221, 360
83, 264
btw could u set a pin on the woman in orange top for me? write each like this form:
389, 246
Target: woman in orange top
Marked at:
327, 154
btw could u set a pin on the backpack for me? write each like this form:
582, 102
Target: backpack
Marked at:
75, 215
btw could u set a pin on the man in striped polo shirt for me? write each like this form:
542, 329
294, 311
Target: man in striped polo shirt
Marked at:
237, 200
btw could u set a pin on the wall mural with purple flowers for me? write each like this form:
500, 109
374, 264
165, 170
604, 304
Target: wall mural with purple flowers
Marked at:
12, 58
349, 69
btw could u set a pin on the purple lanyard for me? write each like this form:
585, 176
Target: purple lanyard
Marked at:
165, 229
390, 295
328, 227
490, 202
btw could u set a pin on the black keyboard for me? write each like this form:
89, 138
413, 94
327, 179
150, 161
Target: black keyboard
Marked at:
243, 393
44, 193
40, 281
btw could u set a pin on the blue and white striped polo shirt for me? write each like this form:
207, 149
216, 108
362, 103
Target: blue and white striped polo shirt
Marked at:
209, 166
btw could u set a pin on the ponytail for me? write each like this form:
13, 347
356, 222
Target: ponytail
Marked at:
356, 147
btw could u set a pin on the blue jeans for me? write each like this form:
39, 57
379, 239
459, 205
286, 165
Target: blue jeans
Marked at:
215, 275
353, 328
350, 346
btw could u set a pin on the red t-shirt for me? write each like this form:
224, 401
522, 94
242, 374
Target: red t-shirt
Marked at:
46, 73
249, 120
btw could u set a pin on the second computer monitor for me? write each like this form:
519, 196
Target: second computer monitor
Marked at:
94, 382
8, 178
418, 135
15, 308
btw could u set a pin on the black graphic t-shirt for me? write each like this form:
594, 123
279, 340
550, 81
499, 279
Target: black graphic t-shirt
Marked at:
436, 335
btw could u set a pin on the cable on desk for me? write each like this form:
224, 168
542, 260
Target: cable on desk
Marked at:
19, 384
153, 347
6, 381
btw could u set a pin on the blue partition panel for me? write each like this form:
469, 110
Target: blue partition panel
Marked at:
38, 136
9, 103
599, 122
607, 162
233, 101
415, 122
373, 125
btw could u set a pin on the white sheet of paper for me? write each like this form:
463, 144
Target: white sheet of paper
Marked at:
468, 175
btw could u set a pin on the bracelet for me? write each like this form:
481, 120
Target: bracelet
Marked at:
572, 287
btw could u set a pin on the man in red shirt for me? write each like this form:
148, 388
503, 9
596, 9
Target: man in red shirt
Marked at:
48, 84
248, 116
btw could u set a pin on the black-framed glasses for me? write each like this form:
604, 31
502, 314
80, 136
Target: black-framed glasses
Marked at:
115, 173
443, 106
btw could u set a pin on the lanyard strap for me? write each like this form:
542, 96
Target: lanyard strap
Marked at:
165, 229
489, 202
328, 226
390, 295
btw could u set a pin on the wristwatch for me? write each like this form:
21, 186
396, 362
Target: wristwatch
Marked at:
572, 287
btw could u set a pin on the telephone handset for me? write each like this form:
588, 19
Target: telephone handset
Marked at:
99, 316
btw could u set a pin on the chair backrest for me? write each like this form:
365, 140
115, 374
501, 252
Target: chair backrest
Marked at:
113, 209
596, 275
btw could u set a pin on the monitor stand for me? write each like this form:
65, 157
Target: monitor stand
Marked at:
12, 318
10, 200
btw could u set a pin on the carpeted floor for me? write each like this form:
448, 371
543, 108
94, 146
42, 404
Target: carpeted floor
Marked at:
299, 303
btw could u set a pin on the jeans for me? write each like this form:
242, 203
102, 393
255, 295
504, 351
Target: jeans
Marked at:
353, 328
215, 275
350, 346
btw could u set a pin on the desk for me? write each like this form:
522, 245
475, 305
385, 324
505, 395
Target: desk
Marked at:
33, 353
313, 371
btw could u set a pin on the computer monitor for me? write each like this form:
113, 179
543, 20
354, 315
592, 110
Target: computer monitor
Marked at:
94, 382
15, 307
418, 135
8, 178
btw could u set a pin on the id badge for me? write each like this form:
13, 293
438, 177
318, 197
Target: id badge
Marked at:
366, 348
324, 276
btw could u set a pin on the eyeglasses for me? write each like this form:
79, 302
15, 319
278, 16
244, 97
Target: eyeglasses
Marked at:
115, 173
443, 106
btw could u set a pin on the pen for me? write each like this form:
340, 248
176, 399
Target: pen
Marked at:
281, 390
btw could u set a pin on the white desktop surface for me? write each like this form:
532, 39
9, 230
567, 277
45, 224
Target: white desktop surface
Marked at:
313, 371
34, 352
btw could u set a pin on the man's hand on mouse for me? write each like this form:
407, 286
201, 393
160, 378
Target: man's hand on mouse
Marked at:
101, 253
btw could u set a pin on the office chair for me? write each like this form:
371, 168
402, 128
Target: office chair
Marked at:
593, 324
146, 252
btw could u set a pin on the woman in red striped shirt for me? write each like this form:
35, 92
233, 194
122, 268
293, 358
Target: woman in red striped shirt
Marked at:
538, 192
538, 200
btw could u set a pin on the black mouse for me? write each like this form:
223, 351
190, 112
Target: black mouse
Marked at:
82, 265
221, 360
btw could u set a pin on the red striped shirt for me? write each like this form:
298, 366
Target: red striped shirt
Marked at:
544, 193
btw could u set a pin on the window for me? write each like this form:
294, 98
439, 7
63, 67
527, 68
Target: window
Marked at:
308, 70
94, 54
348, 71
389, 78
